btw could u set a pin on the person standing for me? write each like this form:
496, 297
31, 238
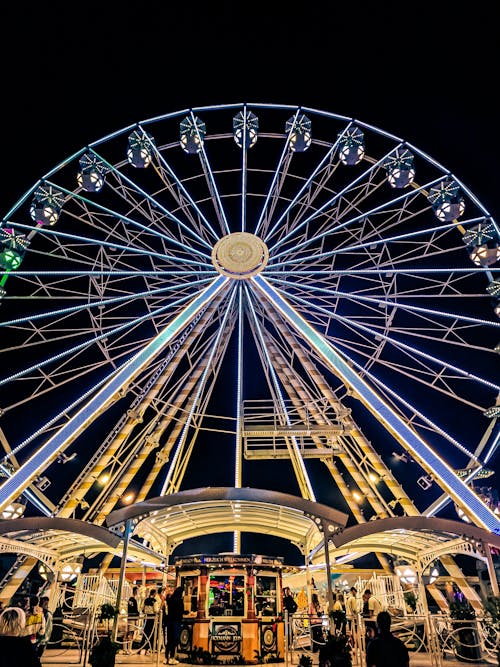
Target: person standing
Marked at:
316, 621
44, 639
338, 605
35, 621
352, 611
386, 650
290, 606
132, 619
371, 608
175, 613
15, 647
351, 604
338, 613
150, 609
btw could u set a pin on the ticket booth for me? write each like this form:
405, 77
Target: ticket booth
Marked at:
232, 604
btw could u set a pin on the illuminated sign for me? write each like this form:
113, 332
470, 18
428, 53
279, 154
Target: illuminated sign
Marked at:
226, 638
229, 560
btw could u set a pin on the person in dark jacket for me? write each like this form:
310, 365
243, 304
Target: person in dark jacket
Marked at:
290, 606
386, 650
16, 649
150, 610
132, 620
175, 612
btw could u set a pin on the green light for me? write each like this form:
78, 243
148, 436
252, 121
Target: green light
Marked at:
10, 259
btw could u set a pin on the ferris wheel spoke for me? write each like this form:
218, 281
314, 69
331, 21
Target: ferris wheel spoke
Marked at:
100, 303
377, 241
89, 342
388, 417
380, 269
377, 301
442, 376
168, 238
284, 154
219, 209
57, 234
244, 152
328, 204
307, 184
135, 188
164, 167
295, 455
382, 208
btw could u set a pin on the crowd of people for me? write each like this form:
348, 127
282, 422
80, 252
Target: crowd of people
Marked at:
383, 648
25, 631
169, 608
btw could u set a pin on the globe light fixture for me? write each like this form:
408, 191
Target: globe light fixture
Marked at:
299, 133
140, 149
446, 200
46, 205
92, 172
70, 571
351, 146
430, 575
192, 134
406, 573
245, 129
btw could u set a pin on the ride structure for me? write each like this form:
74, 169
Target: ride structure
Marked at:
254, 295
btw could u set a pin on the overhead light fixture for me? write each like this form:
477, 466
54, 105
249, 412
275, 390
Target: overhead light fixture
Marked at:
13, 511
406, 573
70, 571
431, 574
462, 514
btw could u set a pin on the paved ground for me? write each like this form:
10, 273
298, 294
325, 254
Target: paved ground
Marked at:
69, 658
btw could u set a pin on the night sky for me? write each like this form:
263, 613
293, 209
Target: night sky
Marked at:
74, 72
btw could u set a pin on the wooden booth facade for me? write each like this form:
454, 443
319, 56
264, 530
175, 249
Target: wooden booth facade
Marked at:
232, 604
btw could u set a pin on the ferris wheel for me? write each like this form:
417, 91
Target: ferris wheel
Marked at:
252, 287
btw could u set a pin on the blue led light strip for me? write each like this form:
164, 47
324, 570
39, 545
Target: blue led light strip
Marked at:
47, 453
422, 452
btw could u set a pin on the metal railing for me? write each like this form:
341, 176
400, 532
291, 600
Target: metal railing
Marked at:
438, 637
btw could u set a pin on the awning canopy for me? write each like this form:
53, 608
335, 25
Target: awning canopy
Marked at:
166, 521
414, 538
52, 540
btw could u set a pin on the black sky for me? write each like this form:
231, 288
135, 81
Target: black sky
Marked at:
71, 73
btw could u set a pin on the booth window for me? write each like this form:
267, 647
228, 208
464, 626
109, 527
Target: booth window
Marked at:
265, 595
226, 596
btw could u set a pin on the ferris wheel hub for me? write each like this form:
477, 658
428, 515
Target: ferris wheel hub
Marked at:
240, 255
